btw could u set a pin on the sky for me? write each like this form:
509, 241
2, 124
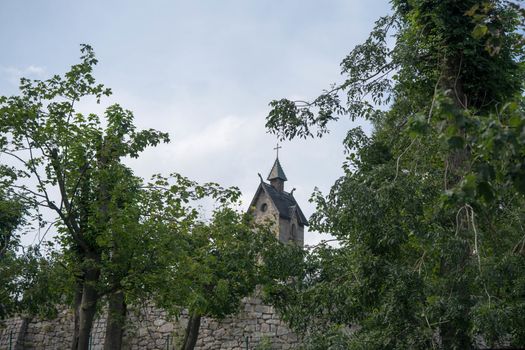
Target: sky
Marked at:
203, 71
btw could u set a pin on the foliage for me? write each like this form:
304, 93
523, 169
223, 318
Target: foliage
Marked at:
185, 262
264, 344
30, 281
429, 214
71, 164
11, 217
123, 241
223, 264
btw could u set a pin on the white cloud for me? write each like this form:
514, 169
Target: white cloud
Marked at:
13, 74
217, 138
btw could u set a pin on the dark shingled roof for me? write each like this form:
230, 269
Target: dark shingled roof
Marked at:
277, 171
285, 203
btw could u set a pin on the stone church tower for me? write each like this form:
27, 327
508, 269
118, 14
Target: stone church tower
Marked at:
272, 204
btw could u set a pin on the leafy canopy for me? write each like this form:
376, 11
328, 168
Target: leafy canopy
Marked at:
430, 211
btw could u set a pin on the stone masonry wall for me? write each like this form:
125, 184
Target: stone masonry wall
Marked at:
150, 328
57, 333
11, 333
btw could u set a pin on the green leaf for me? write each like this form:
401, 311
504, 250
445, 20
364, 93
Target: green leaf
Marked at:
485, 190
479, 31
456, 142
515, 121
470, 12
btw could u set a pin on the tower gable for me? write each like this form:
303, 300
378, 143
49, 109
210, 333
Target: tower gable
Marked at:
264, 209
272, 204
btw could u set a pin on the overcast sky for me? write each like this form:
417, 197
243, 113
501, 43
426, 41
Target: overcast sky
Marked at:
204, 71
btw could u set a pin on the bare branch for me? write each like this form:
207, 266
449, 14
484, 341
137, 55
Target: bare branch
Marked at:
433, 99
16, 157
45, 233
399, 158
23, 188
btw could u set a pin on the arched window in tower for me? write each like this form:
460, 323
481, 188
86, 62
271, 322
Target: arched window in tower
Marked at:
293, 233
264, 207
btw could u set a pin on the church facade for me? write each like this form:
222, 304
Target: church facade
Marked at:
272, 205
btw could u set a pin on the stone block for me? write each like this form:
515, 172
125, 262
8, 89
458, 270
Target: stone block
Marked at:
229, 344
143, 331
158, 322
263, 309
281, 330
166, 328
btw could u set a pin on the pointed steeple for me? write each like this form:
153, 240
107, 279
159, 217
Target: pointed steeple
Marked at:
276, 176
277, 171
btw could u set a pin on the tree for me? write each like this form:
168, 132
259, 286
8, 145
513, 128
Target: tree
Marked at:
11, 216
171, 256
60, 149
429, 213
123, 241
210, 266
223, 267
28, 279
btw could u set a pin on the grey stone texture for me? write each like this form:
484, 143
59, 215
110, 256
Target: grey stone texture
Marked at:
287, 228
12, 332
151, 328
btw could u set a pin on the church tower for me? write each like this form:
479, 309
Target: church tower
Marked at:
272, 204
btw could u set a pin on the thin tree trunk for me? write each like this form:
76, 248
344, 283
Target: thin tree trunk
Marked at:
192, 332
76, 307
88, 307
116, 320
80, 252
454, 333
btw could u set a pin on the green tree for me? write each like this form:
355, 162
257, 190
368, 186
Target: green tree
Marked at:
123, 241
183, 262
28, 279
429, 213
64, 151
180, 261
223, 267
11, 216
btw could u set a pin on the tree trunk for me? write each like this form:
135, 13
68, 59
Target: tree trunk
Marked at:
454, 334
76, 308
192, 332
88, 307
116, 320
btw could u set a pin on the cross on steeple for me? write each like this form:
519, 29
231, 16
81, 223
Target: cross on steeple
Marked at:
277, 149
276, 176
